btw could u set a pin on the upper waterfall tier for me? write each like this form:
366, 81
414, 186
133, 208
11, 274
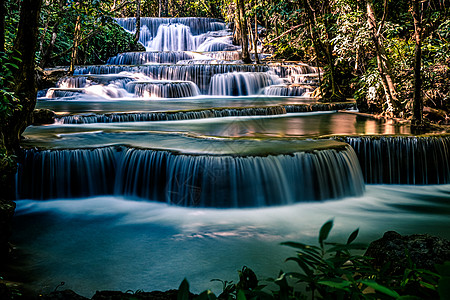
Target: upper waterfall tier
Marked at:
181, 34
142, 58
197, 25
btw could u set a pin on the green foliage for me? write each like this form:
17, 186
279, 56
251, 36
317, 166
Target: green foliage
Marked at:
8, 100
331, 271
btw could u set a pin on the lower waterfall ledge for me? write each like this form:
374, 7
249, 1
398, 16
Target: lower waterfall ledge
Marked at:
199, 180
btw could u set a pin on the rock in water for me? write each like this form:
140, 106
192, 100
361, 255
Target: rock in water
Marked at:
424, 251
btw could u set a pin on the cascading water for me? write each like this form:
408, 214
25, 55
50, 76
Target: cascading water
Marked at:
191, 180
163, 89
403, 160
286, 90
142, 58
240, 83
156, 157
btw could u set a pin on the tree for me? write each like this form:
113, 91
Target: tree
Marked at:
18, 102
138, 21
384, 66
416, 11
242, 21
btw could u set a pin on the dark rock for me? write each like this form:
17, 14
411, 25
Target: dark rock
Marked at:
6, 213
62, 295
43, 116
4, 292
423, 250
49, 77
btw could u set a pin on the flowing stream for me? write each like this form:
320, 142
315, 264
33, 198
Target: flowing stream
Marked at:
182, 161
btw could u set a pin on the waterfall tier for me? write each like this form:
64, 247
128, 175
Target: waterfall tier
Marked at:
191, 180
196, 25
201, 114
287, 90
403, 160
199, 74
240, 83
163, 89
142, 58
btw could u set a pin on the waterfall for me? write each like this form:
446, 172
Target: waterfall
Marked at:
172, 116
53, 174
163, 89
403, 160
286, 90
142, 58
202, 114
240, 83
173, 37
53, 93
197, 25
191, 180
73, 82
175, 34
199, 74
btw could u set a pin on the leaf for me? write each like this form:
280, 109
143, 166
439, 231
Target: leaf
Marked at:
302, 265
183, 290
324, 231
444, 269
337, 283
241, 295
444, 287
299, 245
380, 288
352, 236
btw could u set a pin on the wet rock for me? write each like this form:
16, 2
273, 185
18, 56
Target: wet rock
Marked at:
43, 116
422, 249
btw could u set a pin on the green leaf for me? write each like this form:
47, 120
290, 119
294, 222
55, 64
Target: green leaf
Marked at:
324, 231
380, 288
299, 245
241, 295
352, 236
444, 269
304, 266
183, 290
444, 287
337, 283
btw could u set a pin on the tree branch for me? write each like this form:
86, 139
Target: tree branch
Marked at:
82, 41
284, 33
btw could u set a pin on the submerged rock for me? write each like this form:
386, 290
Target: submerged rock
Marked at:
423, 250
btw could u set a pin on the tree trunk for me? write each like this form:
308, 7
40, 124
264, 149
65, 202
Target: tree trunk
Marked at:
49, 49
138, 21
417, 119
383, 64
2, 25
244, 34
76, 42
255, 40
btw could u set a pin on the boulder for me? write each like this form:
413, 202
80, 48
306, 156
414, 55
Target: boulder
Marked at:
43, 116
422, 249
